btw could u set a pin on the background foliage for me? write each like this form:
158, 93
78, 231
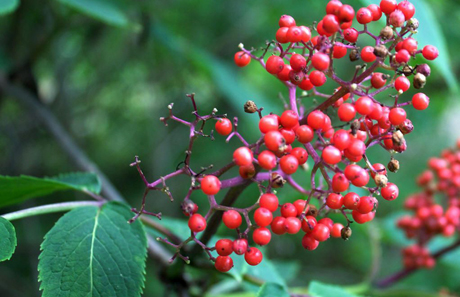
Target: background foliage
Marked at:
107, 71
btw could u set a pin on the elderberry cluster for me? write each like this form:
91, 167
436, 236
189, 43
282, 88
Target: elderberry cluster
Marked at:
365, 110
432, 217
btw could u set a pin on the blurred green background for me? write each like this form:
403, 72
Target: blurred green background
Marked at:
108, 70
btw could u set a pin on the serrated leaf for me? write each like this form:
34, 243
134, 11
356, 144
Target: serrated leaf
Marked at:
101, 10
8, 240
8, 6
272, 290
93, 251
15, 189
317, 289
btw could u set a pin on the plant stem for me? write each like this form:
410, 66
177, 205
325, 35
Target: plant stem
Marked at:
50, 208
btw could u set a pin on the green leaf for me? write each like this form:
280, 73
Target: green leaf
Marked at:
7, 239
104, 11
93, 251
273, 290
8, 6
19, 188
429, 32
317, 289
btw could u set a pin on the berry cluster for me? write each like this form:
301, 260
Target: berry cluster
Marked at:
334, 135
432, 217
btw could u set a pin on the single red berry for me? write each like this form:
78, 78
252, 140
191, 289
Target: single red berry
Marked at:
261, 236
407, 9
420, 101
268, 123
331, 23
380, 168
210, 185
331, 155
377, 112
274, 141
316, 119
402, 84
362, 218
396, 18
320, 61
269, 201
232, 219
286, 21
364, 15
278, 226
367, 54
390, 192
340, 183
223, 263
306, 84
197, 223
247, 172
334, 201
356, 175
397, 116
289, 164
243, 156
253, 256
284, 74
224, 126
364, 105
376, 12
430, 52
289, 119
242, 59
306, 34
304, 134
294, 34
410, 44
388, 6
267, 160
317, 78
240, 246
339, 51
300, 204
274, 64
402, 56
308, 224
357, 147
224, 247
346, 25
297, 62
309, 242
366, 204
288, 210
333, 7
292, 225
378, 80
337, 230
346, 13
351, 201
263, 217
346, 112
321, 232
341, 139
281, 35
350, 35
301, 154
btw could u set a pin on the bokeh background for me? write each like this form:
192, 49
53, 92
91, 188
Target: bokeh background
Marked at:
107, 71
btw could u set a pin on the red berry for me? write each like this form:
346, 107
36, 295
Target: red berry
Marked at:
333, 7
331, 155
407, 9
366, 204
197, 223
388, 6
267, 160
224, 247
410, 44
339, 51
292, 225
341, 139
376, 12
420, 101
210, 185
357, 147
278, 226
306, 85
396, 18
377, 112
340, 183
356, 175
321, 232
269, 201
430, 52
223, 263
281, 35
294, 34
320, 61
364, 105
309, 242
224, 126
390, 192
274, 64
286, 21
284, 74
301, 155
304, 134
261, 236
334, 201
397, 116
346, 13
331, 23
336, 230
306, 34
289, 119
367, 54
380, 168
364, 16
346, 112
289, 164
317, 78
378, 79
274, 141
350, 35
308, 224
297, 62
232, 219
300, 204
268, 123
243, 156
242, 59
253, 256
263, 217
316, 119
402, 56
247, 172
240, 246
288, 210
402, 83
351, 201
